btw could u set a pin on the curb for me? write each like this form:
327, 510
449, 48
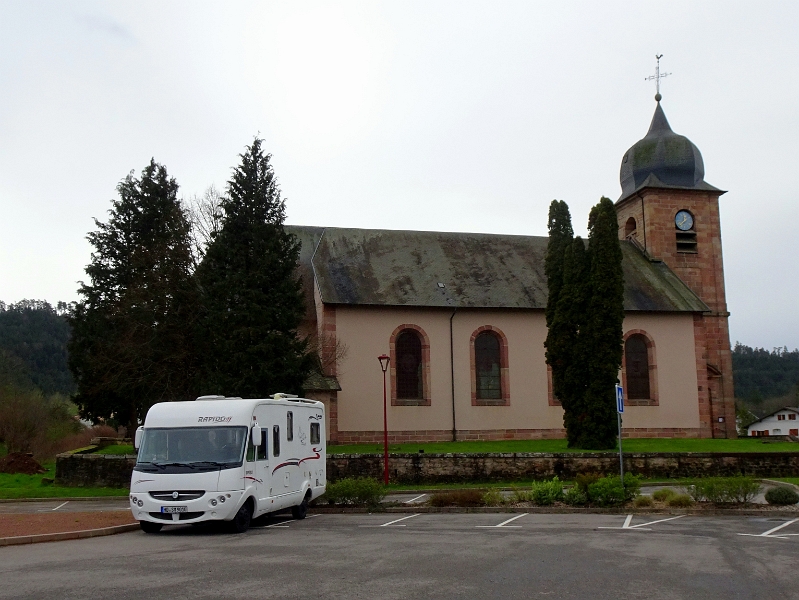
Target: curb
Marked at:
68, 535
541, 510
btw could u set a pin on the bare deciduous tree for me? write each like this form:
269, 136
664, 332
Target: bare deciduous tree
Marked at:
205, 215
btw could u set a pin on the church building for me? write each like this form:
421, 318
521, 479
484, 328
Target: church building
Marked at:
461, 317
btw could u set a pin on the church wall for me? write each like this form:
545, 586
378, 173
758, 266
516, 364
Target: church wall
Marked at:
678, 399
366, 331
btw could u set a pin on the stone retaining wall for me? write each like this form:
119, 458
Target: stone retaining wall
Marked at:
94, 470
98, 470
453, 468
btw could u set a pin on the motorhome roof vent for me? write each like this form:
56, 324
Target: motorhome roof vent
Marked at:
212, 397
280, 396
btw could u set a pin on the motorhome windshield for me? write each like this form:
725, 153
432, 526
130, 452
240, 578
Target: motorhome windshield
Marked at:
191, 448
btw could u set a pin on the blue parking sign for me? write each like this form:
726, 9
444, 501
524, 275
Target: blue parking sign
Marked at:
619, 399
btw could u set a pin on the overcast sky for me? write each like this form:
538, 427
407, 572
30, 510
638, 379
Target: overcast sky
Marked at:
449, 116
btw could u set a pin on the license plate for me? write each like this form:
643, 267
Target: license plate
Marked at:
174, 509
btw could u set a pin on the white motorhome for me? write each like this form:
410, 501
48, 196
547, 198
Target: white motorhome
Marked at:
227, 459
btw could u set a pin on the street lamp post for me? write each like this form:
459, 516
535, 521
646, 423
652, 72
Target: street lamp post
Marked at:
384, 360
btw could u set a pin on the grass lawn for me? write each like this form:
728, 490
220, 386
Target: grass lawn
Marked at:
629, 446
30, 486
117, 449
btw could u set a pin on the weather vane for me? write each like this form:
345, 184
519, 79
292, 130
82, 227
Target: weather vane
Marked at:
657, 77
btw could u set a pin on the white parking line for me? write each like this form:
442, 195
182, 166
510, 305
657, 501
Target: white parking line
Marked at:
414, 499
394, 521
640, 526
770, 531
504, 523
52, 509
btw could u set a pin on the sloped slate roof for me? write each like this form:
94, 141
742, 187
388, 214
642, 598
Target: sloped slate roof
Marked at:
477, 270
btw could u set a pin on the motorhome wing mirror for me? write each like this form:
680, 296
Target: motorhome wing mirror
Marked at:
137, 439
256, 435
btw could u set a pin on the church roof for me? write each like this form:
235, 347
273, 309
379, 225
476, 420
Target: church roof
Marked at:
662, 159
465, 270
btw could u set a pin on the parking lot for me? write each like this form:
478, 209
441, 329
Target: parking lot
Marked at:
427, 555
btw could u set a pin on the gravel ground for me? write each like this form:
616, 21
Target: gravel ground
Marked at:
12, 525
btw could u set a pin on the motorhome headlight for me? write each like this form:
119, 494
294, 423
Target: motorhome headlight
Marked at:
140, 503
213, 502
222, 499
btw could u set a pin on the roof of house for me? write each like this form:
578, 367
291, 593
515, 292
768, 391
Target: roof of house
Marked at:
790, 408
464, 270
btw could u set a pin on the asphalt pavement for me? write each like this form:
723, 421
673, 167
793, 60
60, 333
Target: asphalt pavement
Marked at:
427, 555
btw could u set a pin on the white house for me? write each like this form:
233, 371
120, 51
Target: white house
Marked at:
781, 422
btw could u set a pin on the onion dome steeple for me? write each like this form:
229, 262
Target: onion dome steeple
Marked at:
662, 159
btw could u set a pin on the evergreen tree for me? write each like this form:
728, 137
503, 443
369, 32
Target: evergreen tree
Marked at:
252, 299
602, 330
568, 329
130, 346
560, 237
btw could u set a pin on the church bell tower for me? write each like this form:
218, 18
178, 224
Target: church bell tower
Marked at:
671, 214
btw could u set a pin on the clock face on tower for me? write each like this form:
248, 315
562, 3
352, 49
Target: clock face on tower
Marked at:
684, 220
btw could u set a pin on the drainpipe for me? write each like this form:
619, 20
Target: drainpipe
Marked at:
452, 375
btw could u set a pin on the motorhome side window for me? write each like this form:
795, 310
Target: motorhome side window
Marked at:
250, 450
289, 426
262, 447
315, 437
276, 440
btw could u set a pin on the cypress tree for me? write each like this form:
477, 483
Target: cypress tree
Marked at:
602, 330
569, 329
129, 345
557, 343
252, 300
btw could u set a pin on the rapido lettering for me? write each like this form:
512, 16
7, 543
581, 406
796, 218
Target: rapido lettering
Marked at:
214, 419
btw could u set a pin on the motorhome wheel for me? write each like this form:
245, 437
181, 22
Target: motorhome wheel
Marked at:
150, 527
299, 511
241, 522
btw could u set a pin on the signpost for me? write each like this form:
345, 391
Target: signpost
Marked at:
619, 410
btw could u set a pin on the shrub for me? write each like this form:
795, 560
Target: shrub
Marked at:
724, 490
643, 501
609, 491
782, 495
494, 497
680, 501
574, 496
545, 493
360, 491
584, 480
458, 498
520, 495
664, 494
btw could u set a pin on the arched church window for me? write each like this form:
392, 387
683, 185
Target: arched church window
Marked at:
487, 366
636, 362
409, 366
630, 227
489, 362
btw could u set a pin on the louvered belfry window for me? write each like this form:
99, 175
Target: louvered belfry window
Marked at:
636, 360
487, 366
409, 365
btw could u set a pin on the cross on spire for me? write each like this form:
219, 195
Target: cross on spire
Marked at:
657, 77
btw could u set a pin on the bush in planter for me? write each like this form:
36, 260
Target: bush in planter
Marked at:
609, 491
782, 496
458, 498
545, 493
574, 496
360, 491
494, 497
724, 490
643, 501
664, 494
680, 501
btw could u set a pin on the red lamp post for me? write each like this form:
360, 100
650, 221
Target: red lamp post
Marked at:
384, 360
